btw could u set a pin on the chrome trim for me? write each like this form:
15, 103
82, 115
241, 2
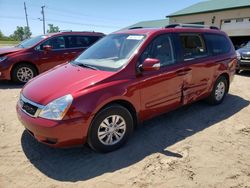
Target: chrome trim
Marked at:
39, 106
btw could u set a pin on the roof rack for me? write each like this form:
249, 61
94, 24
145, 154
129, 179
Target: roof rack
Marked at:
65, 31
74, 31
137, 27
191, 26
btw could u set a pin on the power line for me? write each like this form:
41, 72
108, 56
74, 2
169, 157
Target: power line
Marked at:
85, 24
80, 14
59, 21
90, 18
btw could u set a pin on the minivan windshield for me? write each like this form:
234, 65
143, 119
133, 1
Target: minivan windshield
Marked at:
31, 42
110, 53
248, 45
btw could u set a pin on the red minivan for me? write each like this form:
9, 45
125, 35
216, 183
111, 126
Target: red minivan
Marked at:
41, 53
125, 78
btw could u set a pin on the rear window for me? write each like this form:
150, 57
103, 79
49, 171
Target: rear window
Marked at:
219, 44
80, 41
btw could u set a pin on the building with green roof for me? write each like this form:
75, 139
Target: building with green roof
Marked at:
150, 24
231, 16
212, 6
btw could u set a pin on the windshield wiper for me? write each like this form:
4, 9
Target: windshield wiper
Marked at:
19, 45
85, 65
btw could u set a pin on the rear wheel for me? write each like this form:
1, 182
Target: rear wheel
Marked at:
110, 128
219, 91
22, 73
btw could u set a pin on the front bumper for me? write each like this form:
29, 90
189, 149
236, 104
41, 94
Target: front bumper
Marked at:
62, 133
243, 64
5, 73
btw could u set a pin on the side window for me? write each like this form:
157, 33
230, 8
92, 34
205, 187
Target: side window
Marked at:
219, 44
77, 41
193, 46
55, 42
93, 39
80, 41
160, 48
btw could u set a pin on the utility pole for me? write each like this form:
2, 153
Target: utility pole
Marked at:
43, 19
26, 15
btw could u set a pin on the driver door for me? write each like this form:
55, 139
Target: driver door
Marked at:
161, 90
56, 56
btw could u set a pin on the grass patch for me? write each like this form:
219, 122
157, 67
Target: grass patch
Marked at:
8, 43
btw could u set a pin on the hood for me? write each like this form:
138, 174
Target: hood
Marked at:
60, 81
4, 51
244, 50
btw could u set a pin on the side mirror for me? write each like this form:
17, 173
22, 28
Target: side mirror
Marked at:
151, 64
47, 48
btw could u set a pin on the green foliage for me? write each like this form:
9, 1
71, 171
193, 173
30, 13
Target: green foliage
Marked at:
1, 35
52, 29
21, 33
27, 32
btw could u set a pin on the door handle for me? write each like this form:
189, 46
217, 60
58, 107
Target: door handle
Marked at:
66, 53
183, 71
73, 52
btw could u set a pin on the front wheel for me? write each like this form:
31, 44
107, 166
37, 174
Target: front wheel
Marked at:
110, 128
23, 72
219, 91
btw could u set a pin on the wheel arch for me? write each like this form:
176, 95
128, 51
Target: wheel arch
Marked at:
23, 62
126, 104
226, 76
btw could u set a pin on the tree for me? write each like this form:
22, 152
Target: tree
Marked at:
21, 33
1, 34
27, 32
18, 33
52, 29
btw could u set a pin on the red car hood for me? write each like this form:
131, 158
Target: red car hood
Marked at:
9, 50
60, 81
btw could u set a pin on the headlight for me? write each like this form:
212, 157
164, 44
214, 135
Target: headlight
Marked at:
56, 109
3, 58
238, 55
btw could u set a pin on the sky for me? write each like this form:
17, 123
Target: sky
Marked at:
85, 15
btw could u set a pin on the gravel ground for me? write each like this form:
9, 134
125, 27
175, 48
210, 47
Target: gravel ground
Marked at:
195, 146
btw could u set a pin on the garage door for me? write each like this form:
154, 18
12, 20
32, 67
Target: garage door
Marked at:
236, 27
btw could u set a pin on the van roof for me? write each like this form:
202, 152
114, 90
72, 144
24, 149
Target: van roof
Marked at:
149, 31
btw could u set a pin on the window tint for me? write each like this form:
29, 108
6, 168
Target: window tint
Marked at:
218, 44
160, 48
80, 41
193, 46
55, 43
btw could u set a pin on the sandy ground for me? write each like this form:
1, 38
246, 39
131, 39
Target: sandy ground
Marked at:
194, 146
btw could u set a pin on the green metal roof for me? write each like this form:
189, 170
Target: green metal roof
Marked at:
212, 5
151, 23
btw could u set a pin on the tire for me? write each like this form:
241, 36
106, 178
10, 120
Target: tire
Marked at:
219, 91
23, 72
103, 136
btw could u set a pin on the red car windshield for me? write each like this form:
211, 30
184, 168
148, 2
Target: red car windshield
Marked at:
111, 53
31, 42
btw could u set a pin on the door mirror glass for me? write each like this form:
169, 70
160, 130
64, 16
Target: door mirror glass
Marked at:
151, 64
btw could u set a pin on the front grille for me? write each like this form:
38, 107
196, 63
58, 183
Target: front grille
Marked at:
245, 56
29, 107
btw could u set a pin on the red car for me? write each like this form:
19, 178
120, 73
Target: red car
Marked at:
126, 77
41, 53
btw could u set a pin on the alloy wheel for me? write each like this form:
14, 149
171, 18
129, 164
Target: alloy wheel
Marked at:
111, 130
